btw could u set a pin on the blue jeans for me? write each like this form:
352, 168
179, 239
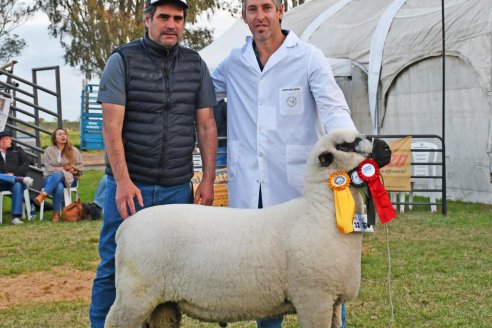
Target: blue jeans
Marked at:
344, 316
53, 185
8, 183
101, 192
221, 160
103, 289
277, 321
270, 323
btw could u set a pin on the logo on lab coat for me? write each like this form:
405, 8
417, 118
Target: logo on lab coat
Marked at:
291, 101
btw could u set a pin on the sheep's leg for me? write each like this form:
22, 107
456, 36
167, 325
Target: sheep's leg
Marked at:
165, 315
315, 311
337, 316
133, 304
126, 313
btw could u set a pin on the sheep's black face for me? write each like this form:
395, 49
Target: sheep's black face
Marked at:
381, 152
349, 146
326, 158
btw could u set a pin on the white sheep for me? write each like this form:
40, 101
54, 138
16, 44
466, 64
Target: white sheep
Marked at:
225, 265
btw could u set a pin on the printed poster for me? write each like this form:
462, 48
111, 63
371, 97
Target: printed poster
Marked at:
4, 112
397, 174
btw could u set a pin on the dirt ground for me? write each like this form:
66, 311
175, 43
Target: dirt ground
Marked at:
57, 285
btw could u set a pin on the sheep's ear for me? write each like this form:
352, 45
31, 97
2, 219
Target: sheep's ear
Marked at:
325, 158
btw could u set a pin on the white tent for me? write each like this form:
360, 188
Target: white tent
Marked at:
395, 84
234, 37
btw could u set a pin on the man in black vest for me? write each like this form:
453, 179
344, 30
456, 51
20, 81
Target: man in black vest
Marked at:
154, 94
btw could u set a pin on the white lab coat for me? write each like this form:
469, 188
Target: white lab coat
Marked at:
274, 117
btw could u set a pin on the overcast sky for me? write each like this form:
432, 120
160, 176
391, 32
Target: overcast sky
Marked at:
44, 51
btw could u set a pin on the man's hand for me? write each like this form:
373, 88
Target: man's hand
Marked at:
204, 194
126, 192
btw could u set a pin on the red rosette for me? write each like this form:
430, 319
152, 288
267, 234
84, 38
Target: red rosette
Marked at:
368, 171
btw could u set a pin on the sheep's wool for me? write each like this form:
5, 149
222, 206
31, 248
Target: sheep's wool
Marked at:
226, 265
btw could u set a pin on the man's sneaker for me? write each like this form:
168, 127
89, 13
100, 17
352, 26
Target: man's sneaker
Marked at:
95, 211
86, 207
16, 221
27, 181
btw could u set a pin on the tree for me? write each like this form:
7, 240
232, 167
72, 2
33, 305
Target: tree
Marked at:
12, 15
89, 30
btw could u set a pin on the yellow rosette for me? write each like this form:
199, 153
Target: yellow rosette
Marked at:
344, 202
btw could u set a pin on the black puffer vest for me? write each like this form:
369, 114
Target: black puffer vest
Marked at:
159, 126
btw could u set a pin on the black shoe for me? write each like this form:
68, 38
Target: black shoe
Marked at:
95, 211
86, 207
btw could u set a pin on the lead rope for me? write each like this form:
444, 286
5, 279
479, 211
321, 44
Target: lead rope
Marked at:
388, 276
388, 279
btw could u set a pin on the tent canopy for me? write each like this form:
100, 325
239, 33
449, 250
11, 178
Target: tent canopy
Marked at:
414, 33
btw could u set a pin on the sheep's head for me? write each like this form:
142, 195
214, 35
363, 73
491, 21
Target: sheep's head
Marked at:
343, 150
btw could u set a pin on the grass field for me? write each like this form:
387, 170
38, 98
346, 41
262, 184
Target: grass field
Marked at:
441, 269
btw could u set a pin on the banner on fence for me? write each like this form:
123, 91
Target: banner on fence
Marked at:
397, 174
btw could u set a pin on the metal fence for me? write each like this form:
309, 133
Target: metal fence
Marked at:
26, 111
440, 176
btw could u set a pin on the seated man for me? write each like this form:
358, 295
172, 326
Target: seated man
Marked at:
14, 165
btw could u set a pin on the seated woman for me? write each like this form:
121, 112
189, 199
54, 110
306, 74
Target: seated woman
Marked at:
62, 167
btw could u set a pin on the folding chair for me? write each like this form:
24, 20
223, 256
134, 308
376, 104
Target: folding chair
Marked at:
67, 198
422, 170
26, 207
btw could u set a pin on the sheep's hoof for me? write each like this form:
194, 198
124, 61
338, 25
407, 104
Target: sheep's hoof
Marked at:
223, 324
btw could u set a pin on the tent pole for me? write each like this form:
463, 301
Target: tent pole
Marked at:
444, 205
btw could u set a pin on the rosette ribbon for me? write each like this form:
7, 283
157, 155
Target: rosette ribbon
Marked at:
368, 171
362, 187
344, 202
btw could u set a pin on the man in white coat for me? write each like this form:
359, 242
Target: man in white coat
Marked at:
282, 96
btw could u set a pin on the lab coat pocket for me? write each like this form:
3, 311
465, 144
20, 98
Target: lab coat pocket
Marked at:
296, 157
291, 101
233, 159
